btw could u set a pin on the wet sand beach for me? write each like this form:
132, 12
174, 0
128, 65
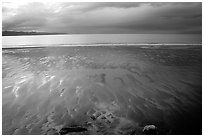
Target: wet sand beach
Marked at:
102, 90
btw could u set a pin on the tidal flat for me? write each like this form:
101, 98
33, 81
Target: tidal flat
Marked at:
102, 90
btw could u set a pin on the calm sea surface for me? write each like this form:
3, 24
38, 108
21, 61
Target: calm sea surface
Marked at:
52, 40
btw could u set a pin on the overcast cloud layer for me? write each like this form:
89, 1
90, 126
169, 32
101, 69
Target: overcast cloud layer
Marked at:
185, 18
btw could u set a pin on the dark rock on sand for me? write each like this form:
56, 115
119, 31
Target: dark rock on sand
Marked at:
67, 130
150, 130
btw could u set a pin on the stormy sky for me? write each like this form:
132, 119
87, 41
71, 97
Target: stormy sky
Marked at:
103, 17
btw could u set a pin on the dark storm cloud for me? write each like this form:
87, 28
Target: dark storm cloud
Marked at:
122, 17
172, 19
30, 17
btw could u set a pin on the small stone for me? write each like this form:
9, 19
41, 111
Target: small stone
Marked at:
108, 121
67, 130
93, 118
89, 123
110, 115
103, 117
150, 130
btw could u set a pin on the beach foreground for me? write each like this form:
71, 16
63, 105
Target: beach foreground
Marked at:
102, 90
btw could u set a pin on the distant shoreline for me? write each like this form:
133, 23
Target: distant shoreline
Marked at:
104, 45
21, 33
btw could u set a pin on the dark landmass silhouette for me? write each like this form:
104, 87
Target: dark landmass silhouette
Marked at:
20, 33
